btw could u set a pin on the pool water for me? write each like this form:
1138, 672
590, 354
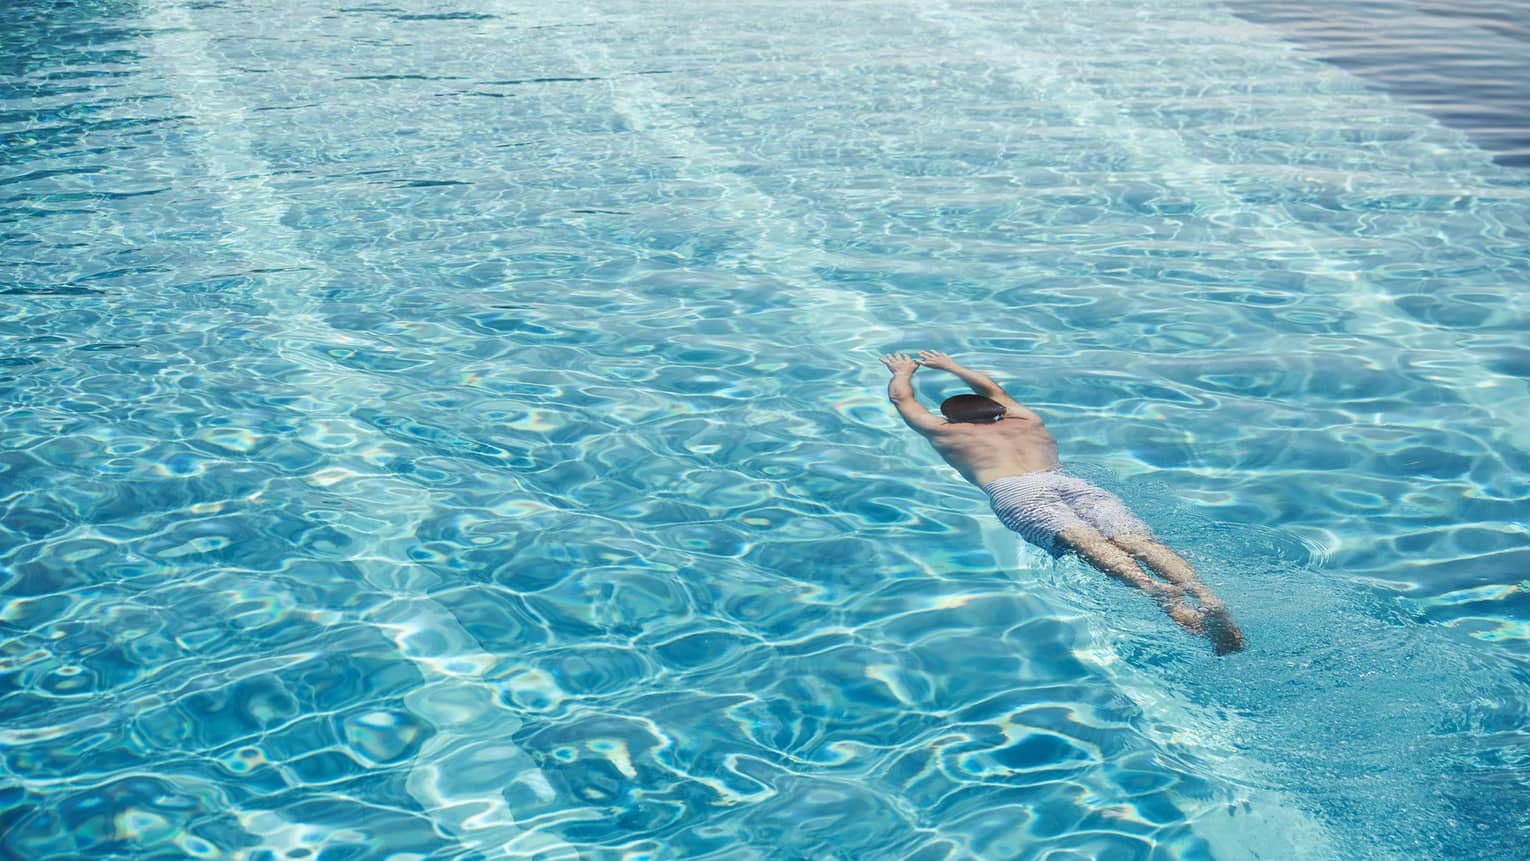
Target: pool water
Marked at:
1466, 62
454, 430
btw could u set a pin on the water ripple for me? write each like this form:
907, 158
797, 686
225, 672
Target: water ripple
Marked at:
394, 474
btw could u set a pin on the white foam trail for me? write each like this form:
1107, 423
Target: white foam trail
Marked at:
1255, 823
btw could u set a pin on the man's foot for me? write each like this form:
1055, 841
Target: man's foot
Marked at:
1188, 619
1221, 630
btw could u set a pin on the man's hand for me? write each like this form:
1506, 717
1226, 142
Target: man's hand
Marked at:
937, 360
900, 390
980, 382
900, 365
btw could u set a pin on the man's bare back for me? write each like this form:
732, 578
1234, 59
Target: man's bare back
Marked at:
1001, 446
1010, 446
1016, 443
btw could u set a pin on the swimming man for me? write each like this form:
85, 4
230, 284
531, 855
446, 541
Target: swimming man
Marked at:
1002, 447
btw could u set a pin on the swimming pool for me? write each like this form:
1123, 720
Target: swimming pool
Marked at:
454, 431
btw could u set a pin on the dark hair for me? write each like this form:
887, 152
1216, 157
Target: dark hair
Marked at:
971, 408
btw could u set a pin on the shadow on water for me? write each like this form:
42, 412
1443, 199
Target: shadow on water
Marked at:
1465, 62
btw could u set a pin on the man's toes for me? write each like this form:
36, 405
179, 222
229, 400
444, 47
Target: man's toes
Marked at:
1188, 619
1222, 632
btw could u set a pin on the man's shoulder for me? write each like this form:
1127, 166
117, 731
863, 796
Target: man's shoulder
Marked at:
964, 434
1022, 418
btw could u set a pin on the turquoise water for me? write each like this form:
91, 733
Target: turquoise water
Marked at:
454, 431
1466, 62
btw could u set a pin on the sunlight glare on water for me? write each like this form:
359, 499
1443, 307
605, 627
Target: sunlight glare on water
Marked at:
455, 431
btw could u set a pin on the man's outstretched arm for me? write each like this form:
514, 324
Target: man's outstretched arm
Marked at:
900, 390
980, 382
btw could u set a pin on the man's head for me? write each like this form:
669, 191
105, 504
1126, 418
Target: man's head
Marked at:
971, 408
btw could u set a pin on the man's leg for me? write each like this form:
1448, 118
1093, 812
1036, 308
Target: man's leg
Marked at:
1164, 562
1104, 555
1219, 626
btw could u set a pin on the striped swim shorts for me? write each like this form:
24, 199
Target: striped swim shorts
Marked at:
1039, 505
